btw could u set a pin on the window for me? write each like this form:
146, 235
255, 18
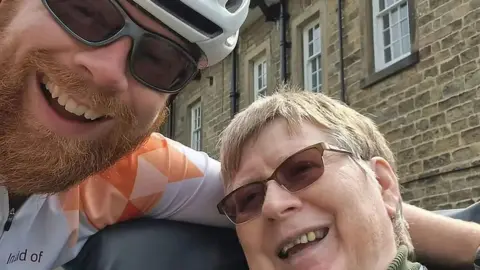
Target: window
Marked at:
312, 57
391, 32
196, 126
255, 71
260, 77
392, 37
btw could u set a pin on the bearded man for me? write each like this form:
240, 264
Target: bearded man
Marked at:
84, 85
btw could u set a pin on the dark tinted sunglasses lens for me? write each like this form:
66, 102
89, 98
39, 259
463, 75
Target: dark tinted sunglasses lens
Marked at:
162, 64
245, 203
301, 169
92, 20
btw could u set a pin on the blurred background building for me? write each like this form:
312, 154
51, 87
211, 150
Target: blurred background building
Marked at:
411, 65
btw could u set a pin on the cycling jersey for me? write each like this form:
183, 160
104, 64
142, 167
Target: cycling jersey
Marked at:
162, 179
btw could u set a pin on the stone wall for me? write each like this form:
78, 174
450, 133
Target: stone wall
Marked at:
429, 110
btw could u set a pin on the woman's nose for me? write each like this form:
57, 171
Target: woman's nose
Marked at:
279, 203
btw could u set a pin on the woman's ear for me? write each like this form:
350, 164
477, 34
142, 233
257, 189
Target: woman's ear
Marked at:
388, 182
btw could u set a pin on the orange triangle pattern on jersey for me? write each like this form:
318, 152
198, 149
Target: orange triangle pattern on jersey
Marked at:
129, 189
71, 208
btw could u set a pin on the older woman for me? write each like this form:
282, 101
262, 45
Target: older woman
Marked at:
333, 210
311, 184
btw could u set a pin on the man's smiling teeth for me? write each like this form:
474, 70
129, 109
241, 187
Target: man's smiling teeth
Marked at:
305, 238
71, 105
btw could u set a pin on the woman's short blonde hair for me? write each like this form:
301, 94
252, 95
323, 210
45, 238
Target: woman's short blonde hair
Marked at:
350, 130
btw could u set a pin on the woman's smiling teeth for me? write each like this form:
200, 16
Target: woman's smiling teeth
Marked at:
301, 241
68, 103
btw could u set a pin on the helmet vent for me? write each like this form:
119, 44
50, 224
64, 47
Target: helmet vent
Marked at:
190, 17
233, 5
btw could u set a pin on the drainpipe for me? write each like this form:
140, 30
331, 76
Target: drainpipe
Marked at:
234, 88
284, 44
340, 37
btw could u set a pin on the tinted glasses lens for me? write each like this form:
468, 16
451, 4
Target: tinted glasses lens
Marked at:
297, 172
301, 169
245, 203
92, 20
160, 63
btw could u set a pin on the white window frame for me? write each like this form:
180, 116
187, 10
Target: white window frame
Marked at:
196, 126
391, 6
308, 60
260, 89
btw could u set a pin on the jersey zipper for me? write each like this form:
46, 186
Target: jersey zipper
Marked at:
10, 217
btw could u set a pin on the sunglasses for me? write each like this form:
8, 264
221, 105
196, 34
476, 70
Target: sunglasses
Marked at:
154, 60
296, 173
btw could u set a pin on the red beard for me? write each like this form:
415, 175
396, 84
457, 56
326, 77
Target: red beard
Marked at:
33, 159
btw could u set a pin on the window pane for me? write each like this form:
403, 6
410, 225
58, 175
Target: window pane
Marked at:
386, 37
259, 82
397, 50
395, 32
319, 70
381, 5
316, 33
196, 118
310, 49
406, 46
403, 10
314, 80
389, 3
196, 140
386, 21
316, 47
259, 70
387, 55
404, 27
314, 65
196, 125
310, 35
395, 16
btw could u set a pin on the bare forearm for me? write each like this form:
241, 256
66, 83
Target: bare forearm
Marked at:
441, 239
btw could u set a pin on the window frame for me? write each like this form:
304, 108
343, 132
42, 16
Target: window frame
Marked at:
378, 30
316, 56
375, 75
257, 91
196, 130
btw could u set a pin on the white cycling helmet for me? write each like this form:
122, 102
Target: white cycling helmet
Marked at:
213, 25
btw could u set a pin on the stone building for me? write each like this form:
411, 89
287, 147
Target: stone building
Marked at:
411, 65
